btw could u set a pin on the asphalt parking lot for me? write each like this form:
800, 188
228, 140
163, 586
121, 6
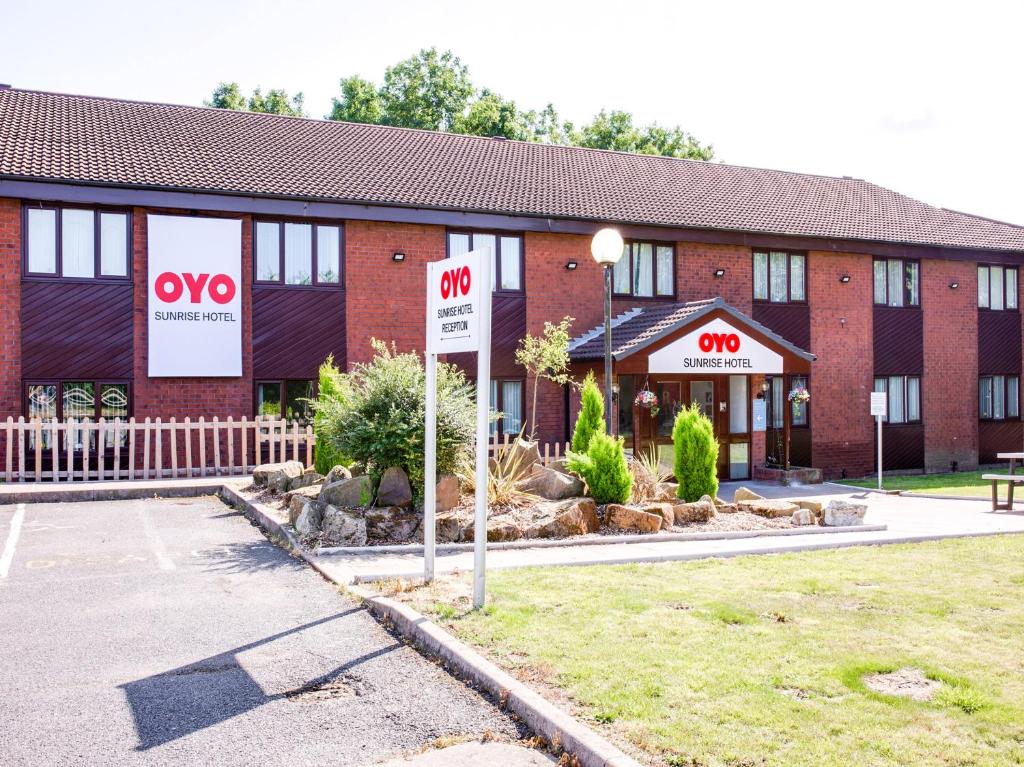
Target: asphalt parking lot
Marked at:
172, 632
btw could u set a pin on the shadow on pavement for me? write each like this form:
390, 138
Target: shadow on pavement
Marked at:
247, 557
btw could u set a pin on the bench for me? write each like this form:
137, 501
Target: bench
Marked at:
1011, 480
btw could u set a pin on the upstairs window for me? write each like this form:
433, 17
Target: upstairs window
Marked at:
999, 397
646, 270
297, 253
897, 282
506, 256
780, 277
76, 243
904, 398
997, 287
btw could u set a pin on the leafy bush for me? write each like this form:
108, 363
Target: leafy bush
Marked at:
333, 385
378, 415
591, 418
696, 453
604, 468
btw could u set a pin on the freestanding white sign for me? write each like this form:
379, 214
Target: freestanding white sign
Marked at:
879, 407
194, 296
458, 320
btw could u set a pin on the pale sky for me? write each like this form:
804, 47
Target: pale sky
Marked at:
924, 98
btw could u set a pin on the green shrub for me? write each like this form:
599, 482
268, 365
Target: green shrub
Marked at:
591, 418
332, 386
378, 416
696, 453
604, 468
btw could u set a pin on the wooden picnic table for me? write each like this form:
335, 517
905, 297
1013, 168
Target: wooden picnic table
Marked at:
1011, 479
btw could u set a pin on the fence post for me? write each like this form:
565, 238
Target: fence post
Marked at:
21, 448
101, 429
257, 447
9, 449
173, 426
216, 447
131, 447
54, 453
309, 446
117, 449
284, 440
245, 445
69, 441
230, 463
188, 446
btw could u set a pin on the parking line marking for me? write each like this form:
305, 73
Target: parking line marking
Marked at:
155, 541
12, 540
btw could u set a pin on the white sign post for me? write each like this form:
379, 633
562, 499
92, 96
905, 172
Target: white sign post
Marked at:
879, 407
458, 320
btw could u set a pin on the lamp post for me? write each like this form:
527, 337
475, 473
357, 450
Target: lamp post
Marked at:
606, 247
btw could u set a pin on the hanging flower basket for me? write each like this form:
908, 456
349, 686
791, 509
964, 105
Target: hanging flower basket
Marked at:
648, 400
799, 395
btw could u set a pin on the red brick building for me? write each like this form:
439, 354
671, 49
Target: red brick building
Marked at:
333, 224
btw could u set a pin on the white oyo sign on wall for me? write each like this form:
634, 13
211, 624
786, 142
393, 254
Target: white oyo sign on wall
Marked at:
716, 348
194, 296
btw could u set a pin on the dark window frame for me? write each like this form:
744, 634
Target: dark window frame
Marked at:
1005, 268
787, 387
767, 300
920, 398
314, 263
906, 291
655, 296
499, 405
1003, 396
283, 383
58, 274
497, 234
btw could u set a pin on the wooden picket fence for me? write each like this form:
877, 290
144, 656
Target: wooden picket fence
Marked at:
549, 451
148, 449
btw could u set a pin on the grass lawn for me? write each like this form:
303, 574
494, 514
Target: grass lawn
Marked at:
760, 660
958, 483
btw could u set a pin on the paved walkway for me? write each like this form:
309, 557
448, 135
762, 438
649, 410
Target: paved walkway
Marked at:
908, 520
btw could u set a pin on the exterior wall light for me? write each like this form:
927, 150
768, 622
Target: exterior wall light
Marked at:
844, 279
571, 266
954, 285
719, 272
398, 257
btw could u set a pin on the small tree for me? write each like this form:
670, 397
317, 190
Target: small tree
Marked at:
696, 453
591, 417
332, 385
604, 468
545, 356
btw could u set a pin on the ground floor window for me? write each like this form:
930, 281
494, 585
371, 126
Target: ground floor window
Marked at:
904, 396
778, 397
289, 397
507, 400
998, 397
84, 401
626, 396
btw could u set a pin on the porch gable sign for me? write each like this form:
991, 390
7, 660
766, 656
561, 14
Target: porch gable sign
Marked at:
717, 348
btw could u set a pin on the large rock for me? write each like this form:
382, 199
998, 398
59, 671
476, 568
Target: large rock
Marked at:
627, 518
342, 527
693, 513
552, 485
394, 488
276, 476
844, 513
746, 494
312, 492
309, 519
668, 492
560, 465
663, 510
769, 509
522, 456
501, 527
448, 493
450, 524
352, 492
562, 519
803, 517
394, 523
305, 479
337, 473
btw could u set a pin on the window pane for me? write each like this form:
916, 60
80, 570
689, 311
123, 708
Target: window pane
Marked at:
297, 400
913, 296
983, 287
268, 251
42, 403
739, 454
42, 241
80, 404
268, 399
998, 397
896, 410
895, 280
328, 254
298, 254
627, 393
799, 408
488, 241
77, 243
1012, 397
737, 404
778, 402
620, 275
458, 244
512, 404
913, 399
796, 278
761, 276
778, 276
880, 292
996, 284
510, 277
985, 397
114, 400
114, 244
664, 267
1011, 288
643, 279
493, 404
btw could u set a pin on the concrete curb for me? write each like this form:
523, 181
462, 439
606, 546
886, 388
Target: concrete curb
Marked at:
121, 490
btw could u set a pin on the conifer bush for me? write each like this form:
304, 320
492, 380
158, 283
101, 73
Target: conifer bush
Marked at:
603, 467
591, 417
332, 385
696, 454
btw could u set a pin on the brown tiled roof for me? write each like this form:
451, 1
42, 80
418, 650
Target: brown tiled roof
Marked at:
638, 328
126, 143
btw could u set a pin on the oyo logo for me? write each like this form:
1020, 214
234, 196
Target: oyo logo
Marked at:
171, 286
718, 342
455, 282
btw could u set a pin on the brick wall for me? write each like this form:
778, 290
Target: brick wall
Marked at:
385, 299
10, 308
950, 364
695, 280
841, 378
